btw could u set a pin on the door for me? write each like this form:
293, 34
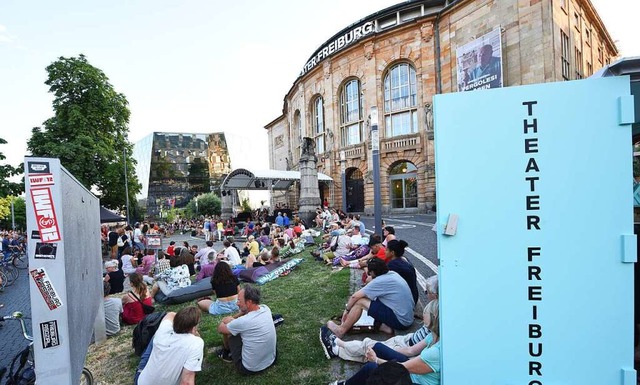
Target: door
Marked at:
355, 190
536, 285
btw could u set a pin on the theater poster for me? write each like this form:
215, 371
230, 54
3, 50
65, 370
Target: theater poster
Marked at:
479, 63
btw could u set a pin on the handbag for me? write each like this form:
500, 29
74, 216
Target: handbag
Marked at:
146, 309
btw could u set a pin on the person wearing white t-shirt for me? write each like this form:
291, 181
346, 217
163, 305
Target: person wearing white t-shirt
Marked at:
231, 254
128, 262
175, 353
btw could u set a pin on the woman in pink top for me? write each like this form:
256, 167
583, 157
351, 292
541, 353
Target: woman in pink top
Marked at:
147, 264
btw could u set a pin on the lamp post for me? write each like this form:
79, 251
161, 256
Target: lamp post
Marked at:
13, 217
375, 158
126, 180
343, 169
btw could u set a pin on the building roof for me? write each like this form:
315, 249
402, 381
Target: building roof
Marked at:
243, 179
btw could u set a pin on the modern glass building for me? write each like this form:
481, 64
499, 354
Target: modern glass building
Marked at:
175, 167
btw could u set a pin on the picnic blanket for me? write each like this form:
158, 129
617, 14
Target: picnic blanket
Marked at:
267, 273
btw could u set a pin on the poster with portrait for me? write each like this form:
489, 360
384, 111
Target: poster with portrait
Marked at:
479, 63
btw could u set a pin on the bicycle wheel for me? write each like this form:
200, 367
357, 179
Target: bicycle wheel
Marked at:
87, 377
3, 283
21, 261
11, 273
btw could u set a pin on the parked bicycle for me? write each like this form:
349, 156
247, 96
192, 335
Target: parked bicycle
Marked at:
19, 259
9, 270
22, 368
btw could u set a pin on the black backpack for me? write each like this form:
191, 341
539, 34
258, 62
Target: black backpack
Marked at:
145, 330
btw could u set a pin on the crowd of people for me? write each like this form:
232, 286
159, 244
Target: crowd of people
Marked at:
389, 296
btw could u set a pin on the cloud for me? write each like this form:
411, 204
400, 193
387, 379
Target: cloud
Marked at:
4, 36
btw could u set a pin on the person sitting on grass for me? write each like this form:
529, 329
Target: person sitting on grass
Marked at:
230, 254
174, 278
356, 350
226, 286
424, 369
175, 354
386, 298
207, 267
112, 311
402, 266
146, 267
129, 263
376, 250
249, 338
114, 276
261, 260
132, 302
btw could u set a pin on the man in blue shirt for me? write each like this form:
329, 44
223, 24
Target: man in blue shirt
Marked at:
279, 220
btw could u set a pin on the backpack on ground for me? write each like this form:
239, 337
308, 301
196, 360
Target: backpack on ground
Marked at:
145, 330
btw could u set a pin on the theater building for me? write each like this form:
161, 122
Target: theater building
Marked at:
400, 57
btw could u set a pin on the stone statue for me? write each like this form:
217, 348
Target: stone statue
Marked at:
428, 116
308, 147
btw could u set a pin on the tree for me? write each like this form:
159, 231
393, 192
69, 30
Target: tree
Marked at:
88, 131
19, 211
208, 204
7, 171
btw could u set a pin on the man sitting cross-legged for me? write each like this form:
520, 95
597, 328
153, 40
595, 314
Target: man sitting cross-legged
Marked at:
249, 337
387, 299
175, 353
356, 350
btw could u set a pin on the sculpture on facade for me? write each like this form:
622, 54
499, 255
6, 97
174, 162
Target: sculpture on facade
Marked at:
308, 147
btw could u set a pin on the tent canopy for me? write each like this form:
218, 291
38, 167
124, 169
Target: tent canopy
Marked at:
243, 179
107, 216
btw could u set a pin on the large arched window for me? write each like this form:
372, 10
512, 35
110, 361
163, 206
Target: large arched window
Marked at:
403, 177
351, 113
318, 124
297, 125
400, 101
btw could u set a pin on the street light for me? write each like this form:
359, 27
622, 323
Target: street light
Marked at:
343, 166
375, 158
126, 180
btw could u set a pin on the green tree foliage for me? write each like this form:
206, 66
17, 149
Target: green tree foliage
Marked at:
88, 131
246, 207
19, 211
7, 171
208, 204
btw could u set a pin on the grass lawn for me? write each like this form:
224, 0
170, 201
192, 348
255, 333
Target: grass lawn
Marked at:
306, 298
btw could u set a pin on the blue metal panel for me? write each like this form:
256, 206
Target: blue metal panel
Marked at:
535, 261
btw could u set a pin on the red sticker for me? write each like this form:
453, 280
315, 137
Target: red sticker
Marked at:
45, 215
41, 180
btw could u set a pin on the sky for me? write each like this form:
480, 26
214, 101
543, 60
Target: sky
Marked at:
188, 66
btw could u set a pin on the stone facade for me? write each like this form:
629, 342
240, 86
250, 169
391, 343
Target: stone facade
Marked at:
425, 37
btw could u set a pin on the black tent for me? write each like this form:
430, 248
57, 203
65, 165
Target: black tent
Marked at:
107, 216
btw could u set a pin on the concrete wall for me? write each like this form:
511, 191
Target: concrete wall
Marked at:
65, 284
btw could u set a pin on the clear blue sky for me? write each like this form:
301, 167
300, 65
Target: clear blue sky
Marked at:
187, 66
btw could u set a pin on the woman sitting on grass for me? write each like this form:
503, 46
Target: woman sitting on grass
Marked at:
226, 287
175, 277
129, 263
131, 306
424, 369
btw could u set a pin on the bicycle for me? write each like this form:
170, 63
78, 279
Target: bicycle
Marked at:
3, 280
19, 259
10, 271
24, 373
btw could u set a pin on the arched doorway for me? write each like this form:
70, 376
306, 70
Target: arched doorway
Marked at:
403, 179
355, 190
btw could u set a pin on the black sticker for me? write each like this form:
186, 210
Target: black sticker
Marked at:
38, 168
45, 251
35, 234
49, 333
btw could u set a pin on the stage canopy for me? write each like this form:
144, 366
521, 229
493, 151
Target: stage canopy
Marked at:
243, 179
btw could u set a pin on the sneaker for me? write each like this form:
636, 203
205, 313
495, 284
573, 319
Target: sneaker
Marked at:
224, 355
327, 340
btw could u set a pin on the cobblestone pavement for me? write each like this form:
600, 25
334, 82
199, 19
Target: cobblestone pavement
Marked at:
14, 298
